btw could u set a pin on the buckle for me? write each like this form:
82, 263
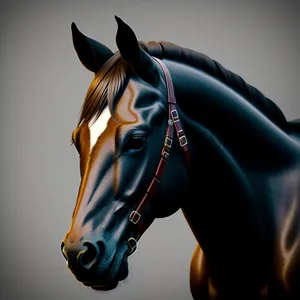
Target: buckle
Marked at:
174, 114
132, 216
182, 141
168, 142
165, 154
129, 243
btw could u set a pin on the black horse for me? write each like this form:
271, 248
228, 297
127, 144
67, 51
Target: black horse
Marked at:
164, 128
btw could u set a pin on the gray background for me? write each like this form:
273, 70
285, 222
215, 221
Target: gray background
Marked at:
42, 87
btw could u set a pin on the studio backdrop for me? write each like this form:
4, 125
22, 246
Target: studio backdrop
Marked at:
42, 88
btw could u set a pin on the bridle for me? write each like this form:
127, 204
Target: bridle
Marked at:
173, 122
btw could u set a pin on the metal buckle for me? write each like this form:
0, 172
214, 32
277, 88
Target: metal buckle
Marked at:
182, 141
174, 114
132, 249
132, 215
168, 142
165, 154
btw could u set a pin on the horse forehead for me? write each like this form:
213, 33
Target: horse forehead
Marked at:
97, 127
126, 111
133, 101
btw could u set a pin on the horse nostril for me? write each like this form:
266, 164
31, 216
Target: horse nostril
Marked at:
88, 257
62, 249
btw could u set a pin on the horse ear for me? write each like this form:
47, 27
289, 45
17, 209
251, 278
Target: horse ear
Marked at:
133, 54
91, 53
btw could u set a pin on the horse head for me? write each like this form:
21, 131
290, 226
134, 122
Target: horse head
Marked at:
119, 138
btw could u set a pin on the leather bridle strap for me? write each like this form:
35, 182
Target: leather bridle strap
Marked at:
173, 122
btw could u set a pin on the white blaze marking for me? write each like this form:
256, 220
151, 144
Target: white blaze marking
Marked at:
97, 128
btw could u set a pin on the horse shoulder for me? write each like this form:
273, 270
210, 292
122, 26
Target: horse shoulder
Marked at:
199, 275
287, 258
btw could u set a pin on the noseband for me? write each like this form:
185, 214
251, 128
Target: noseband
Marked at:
173, 122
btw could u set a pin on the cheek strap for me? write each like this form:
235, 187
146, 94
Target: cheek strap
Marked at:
173, 125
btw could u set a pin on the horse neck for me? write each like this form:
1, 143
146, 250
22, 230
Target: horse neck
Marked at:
207, 106
231, 144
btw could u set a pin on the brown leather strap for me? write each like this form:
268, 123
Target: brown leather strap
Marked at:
173, 110
173, 123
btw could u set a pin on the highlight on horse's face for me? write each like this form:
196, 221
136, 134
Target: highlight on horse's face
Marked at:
118, 153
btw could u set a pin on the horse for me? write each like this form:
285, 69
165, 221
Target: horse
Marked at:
164, 128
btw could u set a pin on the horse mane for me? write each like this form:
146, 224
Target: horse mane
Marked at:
213, 68
108, 83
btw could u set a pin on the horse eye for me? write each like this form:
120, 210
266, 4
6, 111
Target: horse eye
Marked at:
135, 142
